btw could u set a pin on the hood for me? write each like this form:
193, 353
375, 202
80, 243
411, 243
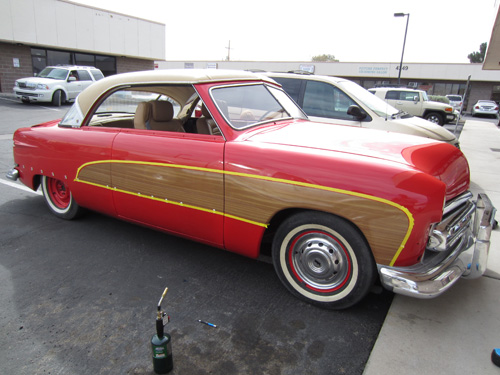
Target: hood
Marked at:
438, 159
439, 104
36, 80
424, 128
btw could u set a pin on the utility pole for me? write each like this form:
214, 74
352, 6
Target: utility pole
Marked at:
404, 42
228, 58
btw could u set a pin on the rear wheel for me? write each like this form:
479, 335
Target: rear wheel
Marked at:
323, 259
59, 198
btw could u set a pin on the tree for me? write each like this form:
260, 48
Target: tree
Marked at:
478, 57
324, 58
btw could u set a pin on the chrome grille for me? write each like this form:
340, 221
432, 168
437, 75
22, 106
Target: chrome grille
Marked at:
456, 223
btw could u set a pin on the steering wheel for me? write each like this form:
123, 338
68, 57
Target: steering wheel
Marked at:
275, 114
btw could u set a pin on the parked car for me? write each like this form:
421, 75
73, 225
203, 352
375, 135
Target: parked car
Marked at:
335, 205
56, 84
485, 107
343, 102
456, 102
417, 103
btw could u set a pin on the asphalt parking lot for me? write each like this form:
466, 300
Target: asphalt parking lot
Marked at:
79, 297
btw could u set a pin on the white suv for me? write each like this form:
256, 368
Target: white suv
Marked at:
56, 84
343, 102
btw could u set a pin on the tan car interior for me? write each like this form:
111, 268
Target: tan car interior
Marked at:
157, 115
205, 124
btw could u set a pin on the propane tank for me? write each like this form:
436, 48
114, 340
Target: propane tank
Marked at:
161, 343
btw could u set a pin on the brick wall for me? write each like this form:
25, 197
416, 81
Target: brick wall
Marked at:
126, 64
8, 73
479, 91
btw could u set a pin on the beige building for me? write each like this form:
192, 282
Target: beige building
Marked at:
37, 33
436, 79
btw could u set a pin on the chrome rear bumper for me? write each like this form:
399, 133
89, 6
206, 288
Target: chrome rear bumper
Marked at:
13, 174
466, 257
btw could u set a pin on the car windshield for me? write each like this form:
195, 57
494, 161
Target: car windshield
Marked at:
53, 73
248, 105
377, 105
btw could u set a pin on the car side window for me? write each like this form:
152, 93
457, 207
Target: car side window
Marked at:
291, 86
144, 110
97, 74
392, 95
84, 75
324, 100
74, 74
408, 96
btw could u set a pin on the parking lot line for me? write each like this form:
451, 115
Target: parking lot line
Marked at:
44, 107
19, 186
10, 100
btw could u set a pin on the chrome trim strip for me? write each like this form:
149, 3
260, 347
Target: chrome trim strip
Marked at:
457, 202
445, 233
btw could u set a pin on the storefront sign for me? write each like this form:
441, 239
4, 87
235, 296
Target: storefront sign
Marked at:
374, 70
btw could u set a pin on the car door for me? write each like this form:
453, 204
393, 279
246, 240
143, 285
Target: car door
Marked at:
407, 101
73, 85
85, 79
170, 180
324, 102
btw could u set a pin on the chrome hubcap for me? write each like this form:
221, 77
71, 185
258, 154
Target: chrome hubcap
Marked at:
320, 261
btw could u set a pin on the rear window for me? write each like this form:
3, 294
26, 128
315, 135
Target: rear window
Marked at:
455, 98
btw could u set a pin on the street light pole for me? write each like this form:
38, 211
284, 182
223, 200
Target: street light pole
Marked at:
404, 42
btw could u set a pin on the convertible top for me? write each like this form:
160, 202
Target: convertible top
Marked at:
165, 76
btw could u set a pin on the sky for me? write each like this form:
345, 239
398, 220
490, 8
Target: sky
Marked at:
439, 31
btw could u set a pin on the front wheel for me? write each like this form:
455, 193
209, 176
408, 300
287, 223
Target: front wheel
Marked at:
59, 198
323, 259
57, 98
435, 118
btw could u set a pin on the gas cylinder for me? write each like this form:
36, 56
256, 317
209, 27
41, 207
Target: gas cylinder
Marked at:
161, 343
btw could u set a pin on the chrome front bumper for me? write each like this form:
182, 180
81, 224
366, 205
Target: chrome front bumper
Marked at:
466, 257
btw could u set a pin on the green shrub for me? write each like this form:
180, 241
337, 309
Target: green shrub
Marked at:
438, 98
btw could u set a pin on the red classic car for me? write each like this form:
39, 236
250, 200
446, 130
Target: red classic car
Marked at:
336, 206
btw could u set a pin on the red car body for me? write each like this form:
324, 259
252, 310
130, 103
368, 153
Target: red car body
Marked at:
235, 189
